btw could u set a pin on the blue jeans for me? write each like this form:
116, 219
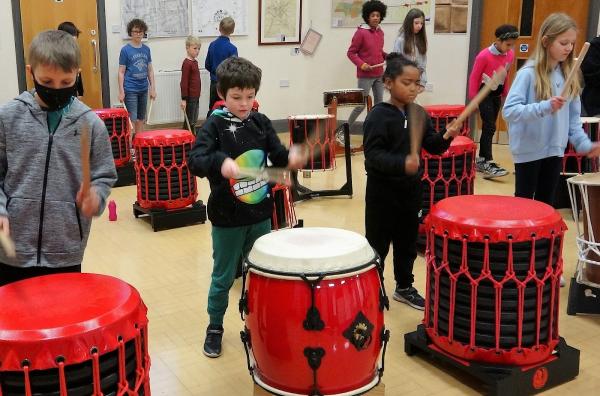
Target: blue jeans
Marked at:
136, 105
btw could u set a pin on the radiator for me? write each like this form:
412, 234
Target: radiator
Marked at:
168, 97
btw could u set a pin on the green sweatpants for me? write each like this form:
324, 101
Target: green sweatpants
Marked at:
230, 245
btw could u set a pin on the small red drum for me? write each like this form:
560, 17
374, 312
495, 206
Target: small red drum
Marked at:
163, 178
73, 334
584, 191
317, 131
284, 215
442, 115
493, 278
448, 175
313, 302
117, 125
574, 163
344, 97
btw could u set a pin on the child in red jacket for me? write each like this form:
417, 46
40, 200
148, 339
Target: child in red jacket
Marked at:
366, 52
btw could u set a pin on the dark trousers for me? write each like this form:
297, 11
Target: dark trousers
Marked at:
390, 220
488, 110
191, 110
214, 97
10, 274
538, 179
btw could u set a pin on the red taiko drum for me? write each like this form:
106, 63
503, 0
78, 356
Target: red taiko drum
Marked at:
313, 302
493, 278
73, 334
117, 125
317, 131
163, 178
443, 114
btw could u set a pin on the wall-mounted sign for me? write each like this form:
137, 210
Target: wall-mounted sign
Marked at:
524, 47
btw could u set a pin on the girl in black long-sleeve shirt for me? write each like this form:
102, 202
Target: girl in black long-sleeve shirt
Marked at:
393, 196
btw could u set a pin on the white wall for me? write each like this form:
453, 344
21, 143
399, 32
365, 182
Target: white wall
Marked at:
9, 87
309, 76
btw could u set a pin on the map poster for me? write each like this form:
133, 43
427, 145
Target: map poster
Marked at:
165, 18
207, 14
348, 13
279, 22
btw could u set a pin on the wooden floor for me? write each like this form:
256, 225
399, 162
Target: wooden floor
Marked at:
172, 269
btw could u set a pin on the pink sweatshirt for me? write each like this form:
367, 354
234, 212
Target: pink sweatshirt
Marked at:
486, 62
367, 47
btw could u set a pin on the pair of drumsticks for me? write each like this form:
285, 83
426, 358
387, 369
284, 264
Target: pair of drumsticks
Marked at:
418, 117
8, 245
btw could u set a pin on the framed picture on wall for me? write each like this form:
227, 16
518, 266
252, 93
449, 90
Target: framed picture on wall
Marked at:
279, 22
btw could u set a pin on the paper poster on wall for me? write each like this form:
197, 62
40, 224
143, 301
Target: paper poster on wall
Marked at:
165, 18
348, 13
451, 16
206, 15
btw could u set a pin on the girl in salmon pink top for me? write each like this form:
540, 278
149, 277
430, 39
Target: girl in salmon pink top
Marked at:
366, 52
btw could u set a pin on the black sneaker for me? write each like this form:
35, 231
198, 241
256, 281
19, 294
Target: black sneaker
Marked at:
212, 343
411, 297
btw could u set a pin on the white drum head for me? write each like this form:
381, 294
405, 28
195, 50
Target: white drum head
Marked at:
590, 120
588, 179
303, 117
334, 91
311, 251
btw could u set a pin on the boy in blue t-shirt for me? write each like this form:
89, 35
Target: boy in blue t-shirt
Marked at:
219, 50
136, 75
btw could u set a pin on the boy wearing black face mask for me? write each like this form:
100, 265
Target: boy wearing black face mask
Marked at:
42, 205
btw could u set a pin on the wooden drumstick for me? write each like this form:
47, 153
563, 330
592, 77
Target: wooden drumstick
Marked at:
272, 174
576, 67
149, 111
131, 129
417, 125
85, 160
187, 120
8, 245
378, 65
496, 80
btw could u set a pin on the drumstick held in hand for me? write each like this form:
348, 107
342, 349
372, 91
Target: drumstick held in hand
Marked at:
131, 129
150, 111
187, 120
417, 125
497, 79
575, 69
272, 174
85, 160
7, 244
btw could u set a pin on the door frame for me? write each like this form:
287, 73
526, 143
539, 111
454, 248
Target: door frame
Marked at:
20, 50
475, 30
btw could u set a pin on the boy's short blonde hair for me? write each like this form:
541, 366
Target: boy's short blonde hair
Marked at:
54, 48
192, 40
227, 26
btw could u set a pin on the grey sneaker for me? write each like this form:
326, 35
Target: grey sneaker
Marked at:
497, 170
490, 170
480, 164
132, 151
411, 297
212, 343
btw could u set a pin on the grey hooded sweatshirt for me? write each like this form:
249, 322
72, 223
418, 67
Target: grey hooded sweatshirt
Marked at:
40, 174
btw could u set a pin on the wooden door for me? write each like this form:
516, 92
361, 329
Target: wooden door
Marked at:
528, 16
40, 15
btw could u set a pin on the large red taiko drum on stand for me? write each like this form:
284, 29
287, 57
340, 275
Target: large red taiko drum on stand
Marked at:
73, 334
163, 178
493, 278
117, 125
449, 174
443, 114
313, 301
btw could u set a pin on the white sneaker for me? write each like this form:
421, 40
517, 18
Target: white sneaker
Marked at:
563, 282
339, 136
132, 151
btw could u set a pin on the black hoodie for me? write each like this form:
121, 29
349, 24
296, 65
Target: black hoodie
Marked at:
590, 67
387, 144
244, 201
